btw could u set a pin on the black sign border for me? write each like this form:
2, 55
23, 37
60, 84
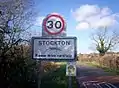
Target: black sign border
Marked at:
51, 59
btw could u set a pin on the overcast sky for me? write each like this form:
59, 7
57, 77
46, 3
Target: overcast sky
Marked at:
82, 17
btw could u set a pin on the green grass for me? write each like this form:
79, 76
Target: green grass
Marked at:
106, 69
57, 79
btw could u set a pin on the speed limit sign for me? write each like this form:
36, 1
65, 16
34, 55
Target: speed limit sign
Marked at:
54, 24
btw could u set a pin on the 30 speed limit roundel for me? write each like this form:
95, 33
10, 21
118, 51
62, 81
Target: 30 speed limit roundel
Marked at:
53, 24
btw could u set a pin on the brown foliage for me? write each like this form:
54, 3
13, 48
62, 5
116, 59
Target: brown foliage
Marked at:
110, 60
49, 66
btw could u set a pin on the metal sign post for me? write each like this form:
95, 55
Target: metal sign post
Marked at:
53, 45
70, 82
39, 73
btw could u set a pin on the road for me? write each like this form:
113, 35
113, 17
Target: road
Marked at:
92, 77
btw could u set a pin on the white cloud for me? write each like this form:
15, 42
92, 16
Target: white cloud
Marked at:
39, 21
94, 17
82, 25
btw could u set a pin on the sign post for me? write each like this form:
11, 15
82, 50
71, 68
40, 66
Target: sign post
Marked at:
70, 82
54, 45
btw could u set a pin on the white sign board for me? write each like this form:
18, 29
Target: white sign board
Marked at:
54, 48
71, 69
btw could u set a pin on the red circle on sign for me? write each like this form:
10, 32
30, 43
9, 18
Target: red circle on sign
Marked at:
55, 33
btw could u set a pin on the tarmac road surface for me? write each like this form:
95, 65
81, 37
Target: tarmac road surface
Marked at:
92, 77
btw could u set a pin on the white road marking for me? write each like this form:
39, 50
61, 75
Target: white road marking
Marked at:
95, 85
84, 84
112, 85
98, 85
108, 85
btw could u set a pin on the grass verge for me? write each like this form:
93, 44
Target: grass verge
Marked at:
57, 79
106, 69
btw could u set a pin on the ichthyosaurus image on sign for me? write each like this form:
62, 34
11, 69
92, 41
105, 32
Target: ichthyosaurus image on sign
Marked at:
54, 48
71, 69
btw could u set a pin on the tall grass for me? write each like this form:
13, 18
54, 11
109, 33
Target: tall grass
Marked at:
57, 79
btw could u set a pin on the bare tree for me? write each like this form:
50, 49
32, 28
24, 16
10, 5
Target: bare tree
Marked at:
104, 40
15, 19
